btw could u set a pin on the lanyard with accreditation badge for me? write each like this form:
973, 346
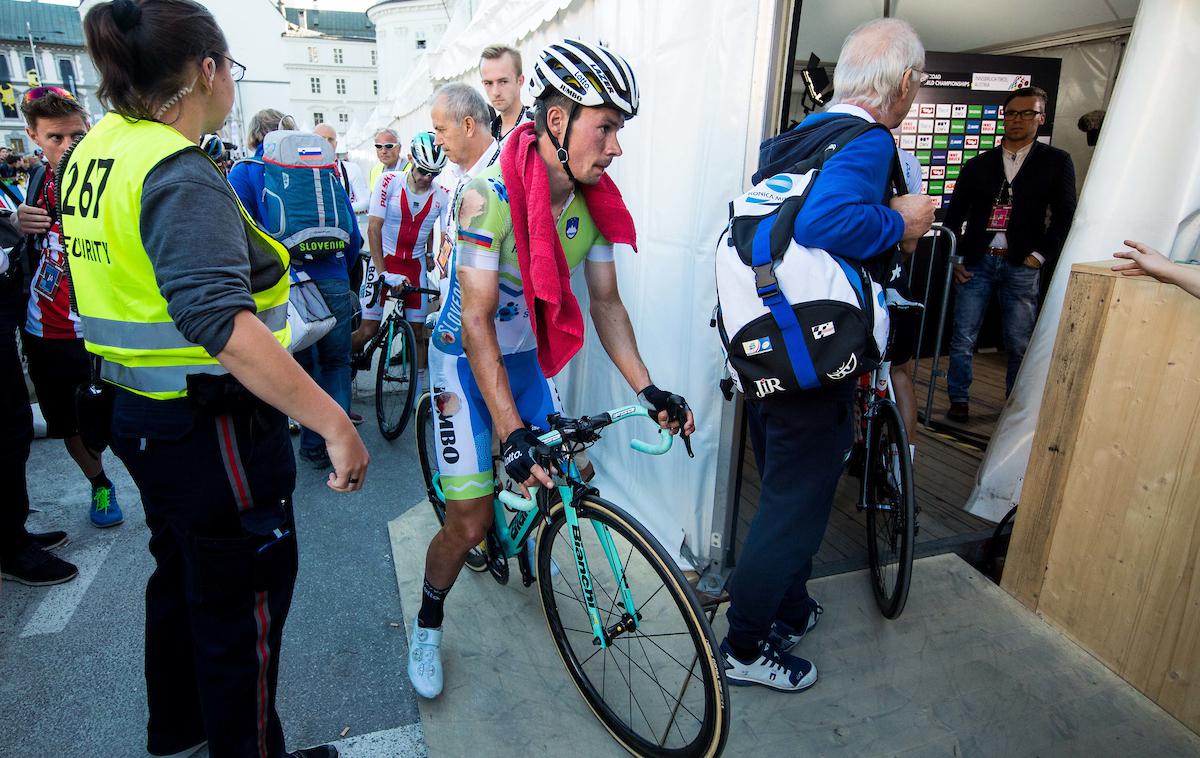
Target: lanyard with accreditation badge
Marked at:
1001, 209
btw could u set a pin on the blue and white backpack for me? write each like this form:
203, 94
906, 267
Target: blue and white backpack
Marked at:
303, 197
793, 318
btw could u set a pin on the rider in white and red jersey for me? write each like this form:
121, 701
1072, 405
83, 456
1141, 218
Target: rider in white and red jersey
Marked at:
404, 208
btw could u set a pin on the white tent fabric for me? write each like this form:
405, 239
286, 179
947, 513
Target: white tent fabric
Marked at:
1087, 70
1144, 180
685, 156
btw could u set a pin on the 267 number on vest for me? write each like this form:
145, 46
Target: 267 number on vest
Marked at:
91, 189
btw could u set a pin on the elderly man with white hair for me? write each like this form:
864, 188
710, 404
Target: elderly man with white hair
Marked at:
801, 441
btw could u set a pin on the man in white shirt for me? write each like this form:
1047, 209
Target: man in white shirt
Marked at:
500, 71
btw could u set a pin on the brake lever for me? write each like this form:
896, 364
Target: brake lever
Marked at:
687, 438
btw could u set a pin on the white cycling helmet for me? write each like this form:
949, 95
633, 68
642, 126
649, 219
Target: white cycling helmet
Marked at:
588, 74
426, 155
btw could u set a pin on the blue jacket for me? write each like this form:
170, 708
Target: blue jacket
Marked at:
248, 180
846, 212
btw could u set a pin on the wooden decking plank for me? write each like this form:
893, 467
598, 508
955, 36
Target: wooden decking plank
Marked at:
944, 477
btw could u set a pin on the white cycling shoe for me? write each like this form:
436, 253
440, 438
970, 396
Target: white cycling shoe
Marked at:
425, 661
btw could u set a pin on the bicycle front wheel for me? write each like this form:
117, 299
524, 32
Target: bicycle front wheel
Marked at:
889, 502
427, 454
658, 687
396, 378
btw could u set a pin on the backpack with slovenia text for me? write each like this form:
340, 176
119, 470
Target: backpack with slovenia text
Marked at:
304, 200
794, 318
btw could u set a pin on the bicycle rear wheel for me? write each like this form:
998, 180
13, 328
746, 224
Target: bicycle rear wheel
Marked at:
659, 687
427, 454
395, 377
887, 493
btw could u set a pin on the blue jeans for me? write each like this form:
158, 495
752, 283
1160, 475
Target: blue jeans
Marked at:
328, 361
1017, 288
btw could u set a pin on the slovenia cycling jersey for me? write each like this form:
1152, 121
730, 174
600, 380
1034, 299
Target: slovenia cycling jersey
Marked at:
408, 218
485, 241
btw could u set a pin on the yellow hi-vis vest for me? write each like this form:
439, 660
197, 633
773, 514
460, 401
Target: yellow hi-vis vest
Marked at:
124, 316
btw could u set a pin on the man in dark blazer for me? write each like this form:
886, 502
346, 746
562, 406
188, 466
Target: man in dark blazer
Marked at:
1017, 201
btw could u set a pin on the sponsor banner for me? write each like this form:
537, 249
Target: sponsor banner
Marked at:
1000, 82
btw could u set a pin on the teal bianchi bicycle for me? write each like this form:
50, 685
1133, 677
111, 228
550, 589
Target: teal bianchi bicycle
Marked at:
626, 624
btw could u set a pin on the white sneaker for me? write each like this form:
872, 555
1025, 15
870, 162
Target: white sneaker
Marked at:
425, 661
773, 668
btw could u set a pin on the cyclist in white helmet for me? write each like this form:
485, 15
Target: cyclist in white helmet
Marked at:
506, 326
404, 207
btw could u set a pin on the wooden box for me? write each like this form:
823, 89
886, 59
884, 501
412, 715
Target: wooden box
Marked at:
1106, 544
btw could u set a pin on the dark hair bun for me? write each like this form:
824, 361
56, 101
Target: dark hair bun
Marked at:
126, 14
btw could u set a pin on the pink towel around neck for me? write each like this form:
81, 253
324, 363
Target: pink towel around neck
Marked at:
554, 313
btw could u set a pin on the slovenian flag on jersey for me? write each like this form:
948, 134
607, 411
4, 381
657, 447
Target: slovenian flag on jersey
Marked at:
309, 153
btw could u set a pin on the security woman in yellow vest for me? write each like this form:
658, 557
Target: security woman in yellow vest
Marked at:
184, 301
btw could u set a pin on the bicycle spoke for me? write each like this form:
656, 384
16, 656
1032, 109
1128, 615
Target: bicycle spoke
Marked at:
632, 663
643, 605
670, 721
624, 573
582, 604
677, 661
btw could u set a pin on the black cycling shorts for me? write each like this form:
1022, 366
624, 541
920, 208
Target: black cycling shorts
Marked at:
906, 322
57, 368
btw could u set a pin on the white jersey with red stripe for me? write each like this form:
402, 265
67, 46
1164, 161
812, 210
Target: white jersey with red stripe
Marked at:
408, 217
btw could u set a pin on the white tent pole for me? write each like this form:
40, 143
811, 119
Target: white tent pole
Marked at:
1143, 180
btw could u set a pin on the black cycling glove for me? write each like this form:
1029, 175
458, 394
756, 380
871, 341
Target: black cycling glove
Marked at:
521, 452
657, 401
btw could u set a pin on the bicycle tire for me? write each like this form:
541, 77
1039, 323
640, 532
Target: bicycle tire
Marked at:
701, 644
888, 497
397, 366
477, 560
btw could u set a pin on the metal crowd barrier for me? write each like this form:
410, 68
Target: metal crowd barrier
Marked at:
938, 232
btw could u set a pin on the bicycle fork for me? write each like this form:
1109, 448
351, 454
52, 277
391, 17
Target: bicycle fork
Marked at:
630, 620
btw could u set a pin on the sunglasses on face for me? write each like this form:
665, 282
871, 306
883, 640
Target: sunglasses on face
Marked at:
385, 146
423, 172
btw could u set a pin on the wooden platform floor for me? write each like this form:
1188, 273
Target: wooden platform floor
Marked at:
945, 475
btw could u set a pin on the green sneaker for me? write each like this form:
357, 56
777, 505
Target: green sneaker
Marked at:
105, 510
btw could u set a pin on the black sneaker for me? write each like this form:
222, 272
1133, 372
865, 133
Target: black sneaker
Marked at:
49, 540
320, 751
37, 568
318, 458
